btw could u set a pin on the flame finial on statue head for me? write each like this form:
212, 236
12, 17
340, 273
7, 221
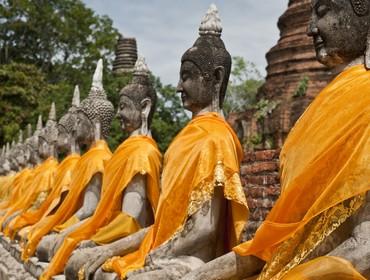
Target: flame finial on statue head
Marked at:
52, 113
141, 68
39, 124
29, 130
211, 22
20, 137
76, 97
7, 149
97, 90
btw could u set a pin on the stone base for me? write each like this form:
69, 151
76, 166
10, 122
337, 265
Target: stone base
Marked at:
10, 268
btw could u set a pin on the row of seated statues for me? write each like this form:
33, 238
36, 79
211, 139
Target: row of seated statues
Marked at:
132, 214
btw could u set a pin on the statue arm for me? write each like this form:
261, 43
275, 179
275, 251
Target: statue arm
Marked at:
199, 233
134, 199
227, 267
91, 197
356, 249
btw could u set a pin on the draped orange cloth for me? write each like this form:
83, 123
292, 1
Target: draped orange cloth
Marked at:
42, 180
63, 177
136, 155
5, 184
16, 188
324, 162
91, 163
204, 155
325, 268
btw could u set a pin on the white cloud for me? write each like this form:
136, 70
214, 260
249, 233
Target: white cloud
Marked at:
164, 29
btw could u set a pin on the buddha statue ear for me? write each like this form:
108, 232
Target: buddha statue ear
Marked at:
219, 75
146, 105
97, 130
367, 52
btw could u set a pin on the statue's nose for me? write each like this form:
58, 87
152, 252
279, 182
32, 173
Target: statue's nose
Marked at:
312, 29
179, 87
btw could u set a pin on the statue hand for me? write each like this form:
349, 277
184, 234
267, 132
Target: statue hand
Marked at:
80, 259
87, 244
59, 238
95, 262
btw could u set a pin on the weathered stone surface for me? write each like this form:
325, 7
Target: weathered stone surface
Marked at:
126, 55
10, 268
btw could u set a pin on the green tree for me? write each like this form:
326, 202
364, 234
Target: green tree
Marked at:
245, 80
63, 38
24, 93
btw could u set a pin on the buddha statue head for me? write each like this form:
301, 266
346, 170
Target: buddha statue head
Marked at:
20, 152
5, 165
2, 160
340, 31
49, 135
205, 68
66, 125
95, 114
137, 101
32, 144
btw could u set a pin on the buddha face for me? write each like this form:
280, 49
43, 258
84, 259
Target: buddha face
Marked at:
21, 157
129, 114
84, 129
44, 148
196, 92
64, 140
339, 34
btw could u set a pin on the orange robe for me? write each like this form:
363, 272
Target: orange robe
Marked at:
62, 178
91, 163
5, 184
16, 188
41, 181
136, 155
325, 173
206, 154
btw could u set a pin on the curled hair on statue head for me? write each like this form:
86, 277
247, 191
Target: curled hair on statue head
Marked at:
209, 52
141, 88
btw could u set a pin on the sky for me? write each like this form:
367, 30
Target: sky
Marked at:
165, 29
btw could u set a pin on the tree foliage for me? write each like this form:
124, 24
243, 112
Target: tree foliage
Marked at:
245, 80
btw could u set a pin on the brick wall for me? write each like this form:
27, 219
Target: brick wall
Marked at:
260, 178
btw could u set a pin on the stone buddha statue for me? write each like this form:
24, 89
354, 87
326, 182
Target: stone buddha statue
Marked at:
324, 233
131, 180
65, 144
43, 174
32, 144
94, 116
200, 182
66, 134
48, 136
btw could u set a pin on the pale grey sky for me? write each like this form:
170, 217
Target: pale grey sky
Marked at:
164, 29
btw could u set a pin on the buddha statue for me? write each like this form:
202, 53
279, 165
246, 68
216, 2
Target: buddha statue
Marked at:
42, 175
200, 184
57, 139
320, 225
131, 179
94, 116
66, 134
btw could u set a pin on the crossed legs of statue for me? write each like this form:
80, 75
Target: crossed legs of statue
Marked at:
171, 269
